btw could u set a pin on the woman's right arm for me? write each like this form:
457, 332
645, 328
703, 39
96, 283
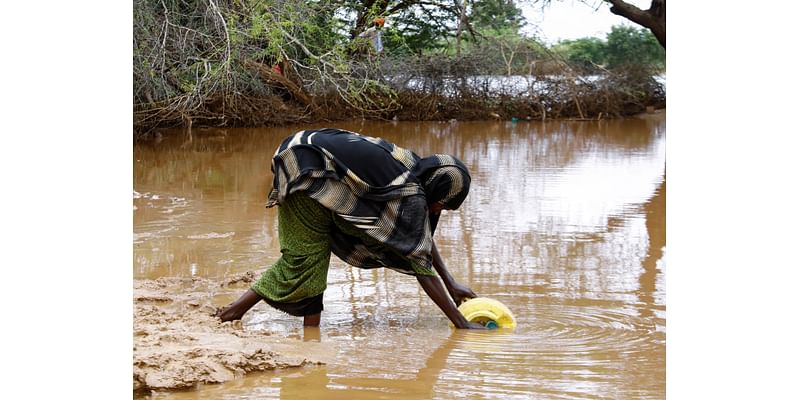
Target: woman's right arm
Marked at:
236, 310
434, 289
457, 291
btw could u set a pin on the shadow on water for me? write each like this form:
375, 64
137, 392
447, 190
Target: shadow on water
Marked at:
655, 211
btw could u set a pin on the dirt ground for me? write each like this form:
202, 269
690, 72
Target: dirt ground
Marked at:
177, 343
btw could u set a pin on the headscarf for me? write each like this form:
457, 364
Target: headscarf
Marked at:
445, 180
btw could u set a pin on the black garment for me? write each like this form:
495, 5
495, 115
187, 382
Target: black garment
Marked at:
309, 306
381, 189
355, 152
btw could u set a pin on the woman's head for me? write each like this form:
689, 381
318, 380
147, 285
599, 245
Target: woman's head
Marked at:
445, 180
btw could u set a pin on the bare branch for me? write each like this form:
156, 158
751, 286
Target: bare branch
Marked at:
654, 18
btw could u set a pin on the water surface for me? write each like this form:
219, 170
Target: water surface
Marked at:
565, 223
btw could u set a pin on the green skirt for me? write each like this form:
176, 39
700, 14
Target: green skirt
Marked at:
302, 270
295, 282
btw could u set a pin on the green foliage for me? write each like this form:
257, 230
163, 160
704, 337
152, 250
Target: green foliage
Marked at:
632, 46
496, 15
624, 46
320, 30
212, 59
499, 41
419, 30
584, 53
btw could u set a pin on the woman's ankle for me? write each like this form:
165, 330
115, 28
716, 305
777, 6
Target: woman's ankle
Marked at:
312, 320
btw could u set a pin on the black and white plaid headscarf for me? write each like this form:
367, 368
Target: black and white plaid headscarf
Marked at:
393, 212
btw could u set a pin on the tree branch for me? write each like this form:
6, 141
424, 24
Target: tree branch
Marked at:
227, 34
631, 12
655, 18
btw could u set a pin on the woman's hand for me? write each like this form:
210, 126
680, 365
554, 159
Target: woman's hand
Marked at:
475, 325
460, 293
235, 310
229, 313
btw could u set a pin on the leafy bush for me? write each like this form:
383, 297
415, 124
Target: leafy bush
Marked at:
624, 46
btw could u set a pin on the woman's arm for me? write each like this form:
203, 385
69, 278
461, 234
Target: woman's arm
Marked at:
236, 310
437, 293
457, 291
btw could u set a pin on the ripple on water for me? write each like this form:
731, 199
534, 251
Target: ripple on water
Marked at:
575, 250
211, 235
395, 348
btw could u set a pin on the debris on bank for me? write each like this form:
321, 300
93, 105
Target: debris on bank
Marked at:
178, 343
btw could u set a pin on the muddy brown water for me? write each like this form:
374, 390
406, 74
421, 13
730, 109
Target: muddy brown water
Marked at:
565, 224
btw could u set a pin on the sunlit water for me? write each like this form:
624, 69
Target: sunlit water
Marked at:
565, 224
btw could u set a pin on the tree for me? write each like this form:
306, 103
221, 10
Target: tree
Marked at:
510, 45
584, 53
366, 11
654, 18
624, 46
422, 28
497, 15
628, 45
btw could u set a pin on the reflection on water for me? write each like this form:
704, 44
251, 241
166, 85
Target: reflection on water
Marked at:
565, 224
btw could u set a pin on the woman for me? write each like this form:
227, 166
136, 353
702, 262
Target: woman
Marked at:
371, 203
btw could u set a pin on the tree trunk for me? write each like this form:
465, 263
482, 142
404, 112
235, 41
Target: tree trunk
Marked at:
270, 76
655, 18
462, 16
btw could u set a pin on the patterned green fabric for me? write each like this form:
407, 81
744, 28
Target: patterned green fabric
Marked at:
304, 228
302, 270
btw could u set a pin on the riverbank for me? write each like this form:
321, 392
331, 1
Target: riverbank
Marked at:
178, 344
615, 95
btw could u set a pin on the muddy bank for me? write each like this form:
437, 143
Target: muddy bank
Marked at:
178, 344
472, 95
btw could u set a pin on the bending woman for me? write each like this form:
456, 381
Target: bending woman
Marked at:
371, 203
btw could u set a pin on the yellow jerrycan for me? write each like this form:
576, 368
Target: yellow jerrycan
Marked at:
488, 312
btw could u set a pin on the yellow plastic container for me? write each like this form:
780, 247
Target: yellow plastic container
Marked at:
488, 312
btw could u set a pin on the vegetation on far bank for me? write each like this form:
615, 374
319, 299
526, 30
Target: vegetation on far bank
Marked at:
255, 63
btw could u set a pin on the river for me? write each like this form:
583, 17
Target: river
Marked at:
565, 223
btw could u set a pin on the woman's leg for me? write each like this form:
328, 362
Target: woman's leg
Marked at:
312, 320
296, 282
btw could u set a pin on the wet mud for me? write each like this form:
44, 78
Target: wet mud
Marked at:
179, 344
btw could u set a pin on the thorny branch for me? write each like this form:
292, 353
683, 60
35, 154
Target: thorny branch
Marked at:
188, 67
